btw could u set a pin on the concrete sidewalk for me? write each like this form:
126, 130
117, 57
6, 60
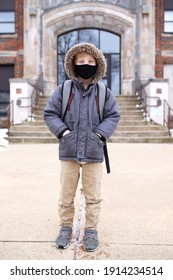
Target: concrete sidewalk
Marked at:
137, 209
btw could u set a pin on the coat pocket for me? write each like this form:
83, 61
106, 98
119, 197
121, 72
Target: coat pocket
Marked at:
67, 145
94, 148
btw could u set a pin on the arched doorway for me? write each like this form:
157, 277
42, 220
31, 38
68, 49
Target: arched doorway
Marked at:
107, 42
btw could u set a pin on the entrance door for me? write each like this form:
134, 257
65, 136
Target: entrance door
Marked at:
107, 42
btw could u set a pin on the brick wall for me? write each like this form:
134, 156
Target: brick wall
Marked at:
164, 41
14, 43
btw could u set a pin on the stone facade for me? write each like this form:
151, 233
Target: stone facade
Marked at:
145, 47
133, 20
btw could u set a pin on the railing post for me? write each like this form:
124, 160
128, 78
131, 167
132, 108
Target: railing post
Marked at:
168, 117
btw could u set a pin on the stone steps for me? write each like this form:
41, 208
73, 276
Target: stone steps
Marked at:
141, 139
36, 133
132, 127
32, 140
41, 127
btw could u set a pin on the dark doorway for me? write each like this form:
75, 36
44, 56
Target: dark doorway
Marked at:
6, 72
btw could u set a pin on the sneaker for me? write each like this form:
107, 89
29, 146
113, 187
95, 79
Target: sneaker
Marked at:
63, 239
90, 240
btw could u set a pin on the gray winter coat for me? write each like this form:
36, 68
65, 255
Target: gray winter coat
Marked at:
82, 144
82, 119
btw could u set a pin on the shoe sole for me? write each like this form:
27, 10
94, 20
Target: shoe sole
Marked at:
62, 247
90, 250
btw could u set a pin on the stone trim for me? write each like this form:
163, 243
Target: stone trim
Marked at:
127, 4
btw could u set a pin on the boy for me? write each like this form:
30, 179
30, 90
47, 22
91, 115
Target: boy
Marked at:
81, 137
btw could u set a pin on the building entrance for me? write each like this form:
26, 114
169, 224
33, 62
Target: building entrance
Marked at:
107, 42
6, 72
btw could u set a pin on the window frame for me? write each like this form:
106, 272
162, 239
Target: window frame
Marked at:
8, 6
11, 23
168, 7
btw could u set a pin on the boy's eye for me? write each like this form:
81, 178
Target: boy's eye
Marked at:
81, 61
86, 62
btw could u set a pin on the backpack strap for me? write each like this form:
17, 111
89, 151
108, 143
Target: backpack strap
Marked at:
66, 92
102, 92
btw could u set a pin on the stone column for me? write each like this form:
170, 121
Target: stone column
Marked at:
32, 36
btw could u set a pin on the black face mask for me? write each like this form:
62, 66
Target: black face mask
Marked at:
85, 71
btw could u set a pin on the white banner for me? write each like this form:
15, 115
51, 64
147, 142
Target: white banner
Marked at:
86, 269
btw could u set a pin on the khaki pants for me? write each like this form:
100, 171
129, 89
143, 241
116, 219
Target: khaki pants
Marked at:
91, 174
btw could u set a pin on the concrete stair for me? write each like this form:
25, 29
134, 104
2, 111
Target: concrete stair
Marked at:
131, 129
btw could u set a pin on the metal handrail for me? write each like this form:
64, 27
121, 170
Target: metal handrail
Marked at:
167, 116
9, 110
143, 97
19, 104
37, 84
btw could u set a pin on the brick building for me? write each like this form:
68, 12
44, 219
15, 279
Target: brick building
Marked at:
164, 42
134, 35
164, 35
11, 45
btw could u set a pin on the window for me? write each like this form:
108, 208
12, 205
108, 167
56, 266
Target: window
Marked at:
168, 16
7, 22
7, 17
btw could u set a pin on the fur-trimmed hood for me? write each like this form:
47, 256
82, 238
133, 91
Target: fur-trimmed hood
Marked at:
90, 49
